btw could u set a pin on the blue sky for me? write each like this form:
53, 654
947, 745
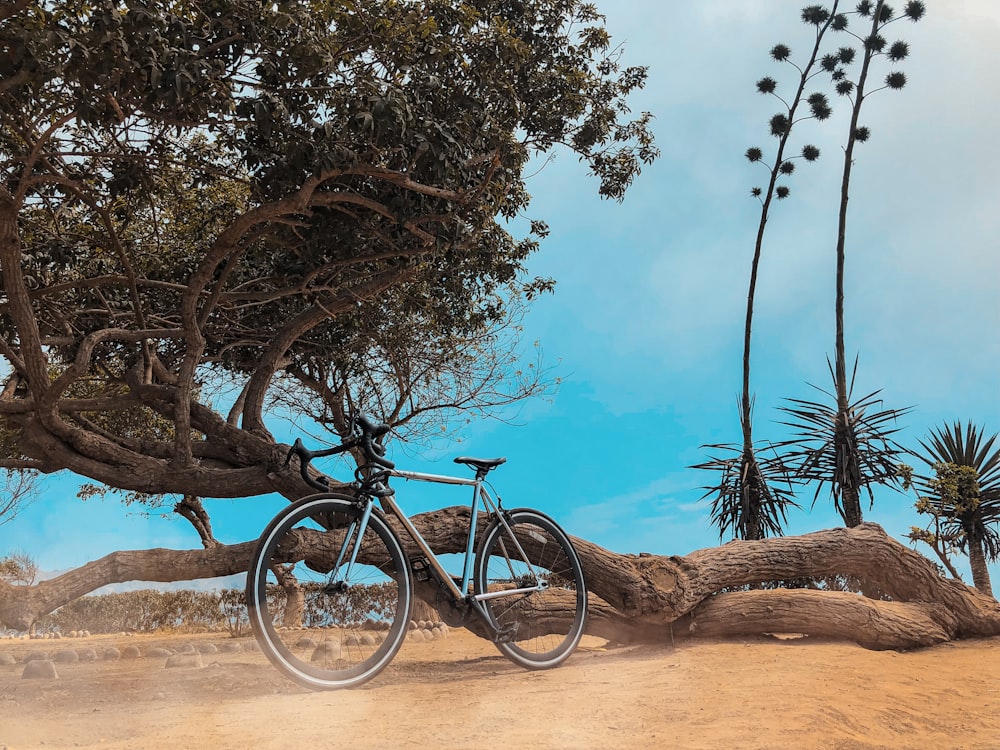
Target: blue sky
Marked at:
645, 327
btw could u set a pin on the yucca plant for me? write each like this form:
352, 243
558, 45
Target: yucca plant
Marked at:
963, 496
847, 449
851, 441
754, 491
750, 499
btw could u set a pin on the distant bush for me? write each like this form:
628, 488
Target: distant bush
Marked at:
148, 610
141, 611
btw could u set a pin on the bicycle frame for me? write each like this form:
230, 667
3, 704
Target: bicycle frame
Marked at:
479, 495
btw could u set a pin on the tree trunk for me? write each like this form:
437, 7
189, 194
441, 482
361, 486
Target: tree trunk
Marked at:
977, 561
648, 597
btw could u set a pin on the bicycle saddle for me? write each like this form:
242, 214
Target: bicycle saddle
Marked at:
480, 464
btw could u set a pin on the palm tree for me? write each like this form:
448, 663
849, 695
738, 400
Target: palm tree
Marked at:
964, 494
750, 499
850, 428
850, 449
754, 491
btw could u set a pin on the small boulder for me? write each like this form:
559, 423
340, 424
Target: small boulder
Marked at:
131, 652
185, 660
207, 648
325, 651
66, 656
40, 669
158, 653
6, 659
113, 654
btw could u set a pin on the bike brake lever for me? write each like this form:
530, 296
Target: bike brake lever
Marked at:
295, 450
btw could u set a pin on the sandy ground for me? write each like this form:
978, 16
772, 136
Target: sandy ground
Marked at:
458, 692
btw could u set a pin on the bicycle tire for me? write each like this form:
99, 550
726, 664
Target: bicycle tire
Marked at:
539, 629
342, 629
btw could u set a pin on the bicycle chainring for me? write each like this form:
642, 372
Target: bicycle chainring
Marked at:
453, 615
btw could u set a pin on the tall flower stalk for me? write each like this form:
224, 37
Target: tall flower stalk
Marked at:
852, 439
754, 490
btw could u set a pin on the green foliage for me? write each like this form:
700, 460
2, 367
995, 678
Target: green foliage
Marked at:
753, 493
247, 194
847, 450
963, 495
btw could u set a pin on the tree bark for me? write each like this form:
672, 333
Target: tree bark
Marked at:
651, 598
977, 562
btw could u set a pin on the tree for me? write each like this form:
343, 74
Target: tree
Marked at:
963, 496
653, 598
842, 446
754, 490
205, 191
210, 207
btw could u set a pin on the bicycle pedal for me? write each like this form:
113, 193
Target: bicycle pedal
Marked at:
421, 568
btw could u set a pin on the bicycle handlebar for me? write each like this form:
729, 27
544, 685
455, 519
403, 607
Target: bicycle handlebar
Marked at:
366, 438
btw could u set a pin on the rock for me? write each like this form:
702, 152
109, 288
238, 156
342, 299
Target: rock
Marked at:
251, 646
40, 669
6, 659
113, 654
158, 653
305, 642
326, 650
207, 648
187, 648
66, 656
131, 652
368, 639
230, 647
41, 655
185, 660
87, 654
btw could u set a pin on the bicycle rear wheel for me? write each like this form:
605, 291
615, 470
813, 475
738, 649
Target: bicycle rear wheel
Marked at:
542, 623
324, 621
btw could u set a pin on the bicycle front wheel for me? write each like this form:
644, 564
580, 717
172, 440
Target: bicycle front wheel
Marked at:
529, 580
328, 600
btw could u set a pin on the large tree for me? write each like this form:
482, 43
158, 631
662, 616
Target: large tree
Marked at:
205, 191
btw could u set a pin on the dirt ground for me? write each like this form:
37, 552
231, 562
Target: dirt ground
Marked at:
458, 692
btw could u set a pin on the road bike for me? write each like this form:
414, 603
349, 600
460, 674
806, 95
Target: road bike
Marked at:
331, 584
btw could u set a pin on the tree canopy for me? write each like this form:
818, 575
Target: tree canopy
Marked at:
306, 194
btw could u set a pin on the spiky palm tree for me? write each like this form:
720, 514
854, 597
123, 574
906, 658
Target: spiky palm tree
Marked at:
965, 493
750, 499
754, 491
849, 433
849, 449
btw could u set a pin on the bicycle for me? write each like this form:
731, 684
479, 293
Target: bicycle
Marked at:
331, 586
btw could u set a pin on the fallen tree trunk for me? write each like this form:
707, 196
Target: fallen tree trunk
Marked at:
651, 597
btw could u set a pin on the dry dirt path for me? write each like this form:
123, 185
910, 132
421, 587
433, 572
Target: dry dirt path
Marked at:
458, 693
